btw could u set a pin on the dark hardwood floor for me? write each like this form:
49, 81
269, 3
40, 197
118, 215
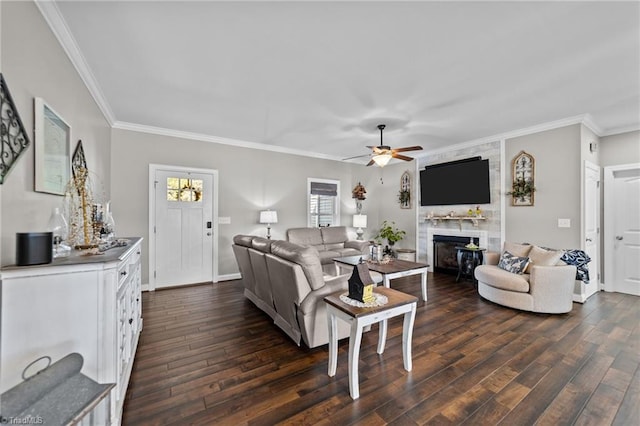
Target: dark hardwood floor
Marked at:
208, 356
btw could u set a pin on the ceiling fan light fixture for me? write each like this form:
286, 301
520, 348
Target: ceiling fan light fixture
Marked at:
381, 159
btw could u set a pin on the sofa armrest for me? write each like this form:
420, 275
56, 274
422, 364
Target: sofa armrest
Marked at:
491, 258
552, 288
332, 285
362, 246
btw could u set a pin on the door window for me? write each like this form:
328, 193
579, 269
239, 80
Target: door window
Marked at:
184, 190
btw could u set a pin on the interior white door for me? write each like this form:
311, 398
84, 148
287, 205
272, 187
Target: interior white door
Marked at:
626, 235
183, 228
592, 226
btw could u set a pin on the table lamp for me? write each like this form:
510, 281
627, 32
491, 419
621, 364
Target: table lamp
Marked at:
268, 217
359, 221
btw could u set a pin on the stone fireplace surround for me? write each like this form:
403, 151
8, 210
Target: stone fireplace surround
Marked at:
482, 236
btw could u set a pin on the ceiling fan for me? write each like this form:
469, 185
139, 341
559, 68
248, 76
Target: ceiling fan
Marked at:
383, 153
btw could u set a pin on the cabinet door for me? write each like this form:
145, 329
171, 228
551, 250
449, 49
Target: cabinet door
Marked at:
124, 338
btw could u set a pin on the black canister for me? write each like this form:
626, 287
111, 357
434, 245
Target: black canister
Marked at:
34, 248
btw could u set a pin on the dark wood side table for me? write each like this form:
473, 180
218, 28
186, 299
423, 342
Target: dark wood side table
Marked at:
468, 259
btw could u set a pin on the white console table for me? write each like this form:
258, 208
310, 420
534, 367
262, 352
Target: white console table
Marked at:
91, 305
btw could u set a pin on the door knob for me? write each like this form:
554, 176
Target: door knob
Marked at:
208, 234
589, 240
619, 237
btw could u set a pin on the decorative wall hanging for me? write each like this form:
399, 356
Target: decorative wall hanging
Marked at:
404, 196
523, 185
14, 137
79, 162
358, 194
53, 141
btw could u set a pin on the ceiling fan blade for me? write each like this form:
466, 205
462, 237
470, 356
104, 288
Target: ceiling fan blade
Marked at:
370, 163
408, 148
401, 157
377, 149
357, 156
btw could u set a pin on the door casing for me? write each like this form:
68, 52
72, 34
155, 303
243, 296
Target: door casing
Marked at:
152, 211
609, 222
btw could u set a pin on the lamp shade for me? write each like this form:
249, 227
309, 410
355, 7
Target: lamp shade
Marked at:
381, 159
359, 220
268, 216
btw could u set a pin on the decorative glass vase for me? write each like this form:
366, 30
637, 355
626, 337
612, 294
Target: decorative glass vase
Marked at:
108, 225
60, 230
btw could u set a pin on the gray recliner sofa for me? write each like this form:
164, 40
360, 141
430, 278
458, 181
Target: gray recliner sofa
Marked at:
330, 242
286, 281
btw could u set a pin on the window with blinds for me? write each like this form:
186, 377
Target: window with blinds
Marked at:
324, 202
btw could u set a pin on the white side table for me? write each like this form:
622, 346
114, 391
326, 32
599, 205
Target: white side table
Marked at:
398, 303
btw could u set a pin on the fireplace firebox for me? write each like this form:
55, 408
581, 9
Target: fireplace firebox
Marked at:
445, 257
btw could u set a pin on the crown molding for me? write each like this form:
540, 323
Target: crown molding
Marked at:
122, 125
53, 17
584, 119
620, 130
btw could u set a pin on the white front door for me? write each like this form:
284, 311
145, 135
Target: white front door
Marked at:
623, 231
183, 227
592, 225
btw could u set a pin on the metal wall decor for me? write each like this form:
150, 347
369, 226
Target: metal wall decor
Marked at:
14, 137
404, 196
79, 161
523, 184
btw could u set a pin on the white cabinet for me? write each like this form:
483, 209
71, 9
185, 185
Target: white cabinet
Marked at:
85, 304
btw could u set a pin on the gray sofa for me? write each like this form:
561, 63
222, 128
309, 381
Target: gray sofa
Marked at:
546, 287
331, 242
286, 281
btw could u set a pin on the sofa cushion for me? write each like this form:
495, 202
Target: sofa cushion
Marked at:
307, 257
305, 236
520, 250
262, 244
334, 235
327, 256
344, 252
513, 264
243, 240
543, 257
493, 276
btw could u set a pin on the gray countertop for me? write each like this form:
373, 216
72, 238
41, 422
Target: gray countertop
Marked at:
77, 258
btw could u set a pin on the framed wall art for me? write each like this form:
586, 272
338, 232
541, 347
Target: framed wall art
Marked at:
404, 196
53, 141
523, 184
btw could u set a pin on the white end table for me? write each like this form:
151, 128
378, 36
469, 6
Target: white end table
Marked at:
398, 303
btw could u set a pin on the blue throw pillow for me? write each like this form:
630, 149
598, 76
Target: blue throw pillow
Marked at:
513, 264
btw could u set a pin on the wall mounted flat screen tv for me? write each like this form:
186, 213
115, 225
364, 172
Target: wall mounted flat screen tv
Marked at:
457, 182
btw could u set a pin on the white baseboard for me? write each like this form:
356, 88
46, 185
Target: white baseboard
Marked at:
229, 277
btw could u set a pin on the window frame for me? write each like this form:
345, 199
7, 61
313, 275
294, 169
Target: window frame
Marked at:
336, 206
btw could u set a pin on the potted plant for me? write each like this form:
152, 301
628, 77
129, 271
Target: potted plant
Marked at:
389, 231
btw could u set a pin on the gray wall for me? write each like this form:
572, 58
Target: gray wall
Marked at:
249, 181
557, 156
620, 149
35, 65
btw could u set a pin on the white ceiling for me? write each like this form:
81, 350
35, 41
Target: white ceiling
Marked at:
317, 77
